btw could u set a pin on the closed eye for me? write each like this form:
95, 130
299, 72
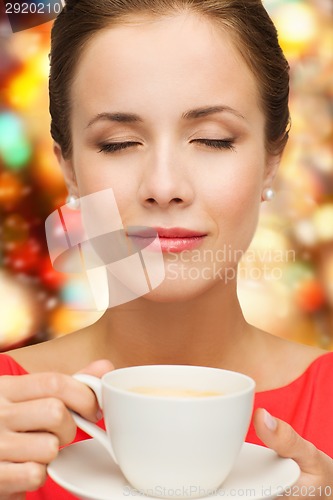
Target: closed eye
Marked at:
217, 143
113, 147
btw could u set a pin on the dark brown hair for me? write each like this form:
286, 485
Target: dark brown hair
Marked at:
246, 20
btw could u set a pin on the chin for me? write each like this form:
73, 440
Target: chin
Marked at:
179, 290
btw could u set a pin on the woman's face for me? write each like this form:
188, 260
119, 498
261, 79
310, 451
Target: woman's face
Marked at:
166, 113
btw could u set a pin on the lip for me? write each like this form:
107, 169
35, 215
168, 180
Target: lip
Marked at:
174, 239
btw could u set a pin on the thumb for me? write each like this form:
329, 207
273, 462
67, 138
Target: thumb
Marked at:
98, 368
282, 438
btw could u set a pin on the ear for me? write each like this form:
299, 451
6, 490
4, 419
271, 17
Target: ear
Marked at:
272, 166
68, 171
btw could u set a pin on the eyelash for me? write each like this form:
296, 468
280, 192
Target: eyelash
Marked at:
217, 143
113, 147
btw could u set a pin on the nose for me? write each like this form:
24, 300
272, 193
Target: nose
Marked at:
165, 182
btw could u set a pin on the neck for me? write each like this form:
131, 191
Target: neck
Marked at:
209, 330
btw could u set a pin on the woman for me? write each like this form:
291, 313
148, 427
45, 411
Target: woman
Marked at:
181, 107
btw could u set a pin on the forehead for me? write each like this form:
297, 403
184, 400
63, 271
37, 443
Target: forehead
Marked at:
155, 64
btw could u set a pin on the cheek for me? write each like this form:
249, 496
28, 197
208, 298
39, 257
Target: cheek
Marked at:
93, 176
235, 203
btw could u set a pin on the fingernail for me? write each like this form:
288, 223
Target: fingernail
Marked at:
270, 421
99, 414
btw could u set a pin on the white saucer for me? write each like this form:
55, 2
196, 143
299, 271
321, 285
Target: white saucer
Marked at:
87, 471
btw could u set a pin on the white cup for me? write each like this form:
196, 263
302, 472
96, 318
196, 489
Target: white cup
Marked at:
171, 445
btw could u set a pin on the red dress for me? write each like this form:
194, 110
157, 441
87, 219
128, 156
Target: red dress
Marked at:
306, 404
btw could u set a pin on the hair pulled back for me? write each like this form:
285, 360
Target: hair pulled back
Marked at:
245, 20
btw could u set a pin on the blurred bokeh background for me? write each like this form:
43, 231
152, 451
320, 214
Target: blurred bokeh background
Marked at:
286, 279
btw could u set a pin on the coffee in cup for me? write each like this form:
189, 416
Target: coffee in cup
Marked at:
173, 392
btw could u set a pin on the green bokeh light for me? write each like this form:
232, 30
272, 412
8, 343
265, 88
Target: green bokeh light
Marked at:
15, 149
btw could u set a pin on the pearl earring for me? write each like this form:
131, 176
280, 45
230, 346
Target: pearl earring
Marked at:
268, 194
73, 202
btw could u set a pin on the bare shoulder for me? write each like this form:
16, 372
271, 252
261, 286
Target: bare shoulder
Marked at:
287, 360
65, 354
301, 354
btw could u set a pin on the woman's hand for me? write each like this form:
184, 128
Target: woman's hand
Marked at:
316, 479
35, 421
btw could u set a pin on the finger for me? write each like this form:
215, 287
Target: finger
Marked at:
98, 368
14, 496
72, 393
18, 478
49, 414
40, 447
282, 438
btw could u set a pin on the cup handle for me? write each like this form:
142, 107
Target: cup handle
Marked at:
95, 384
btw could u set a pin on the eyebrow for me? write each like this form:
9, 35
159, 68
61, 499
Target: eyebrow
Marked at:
210, 110
116, 117
189, 115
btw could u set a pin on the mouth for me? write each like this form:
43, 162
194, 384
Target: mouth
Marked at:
173, 240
